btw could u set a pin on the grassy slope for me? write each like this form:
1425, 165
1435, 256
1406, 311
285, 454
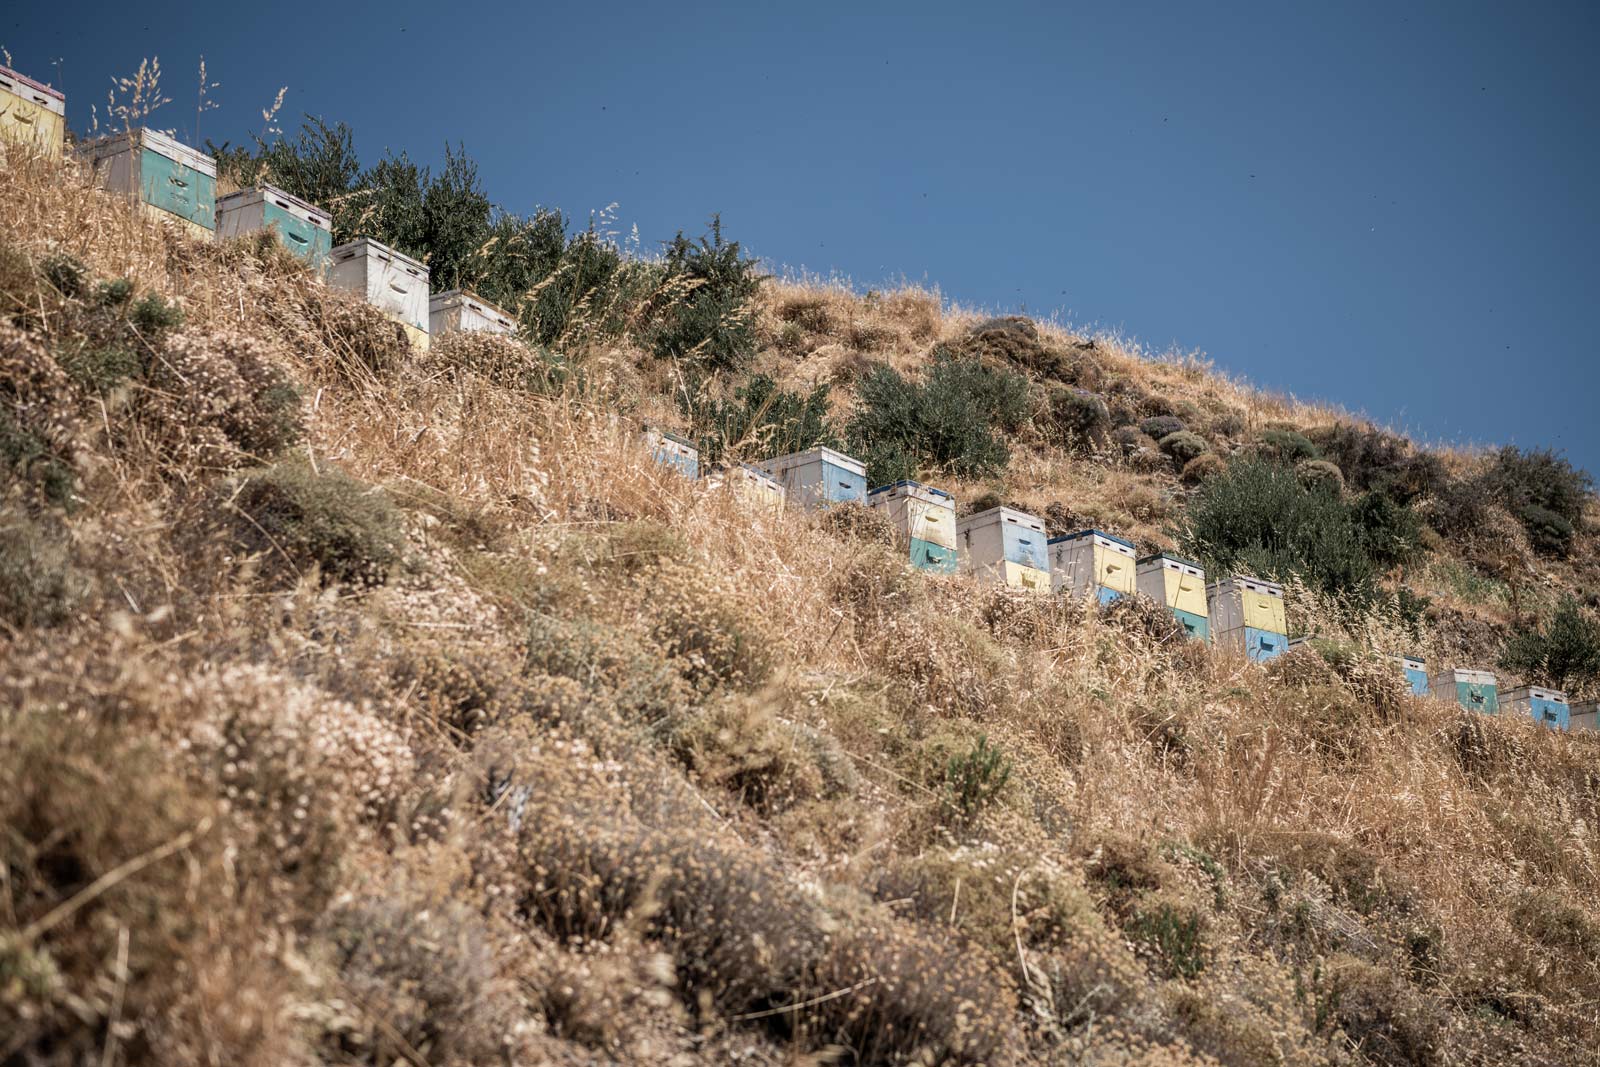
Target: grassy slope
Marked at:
613, 769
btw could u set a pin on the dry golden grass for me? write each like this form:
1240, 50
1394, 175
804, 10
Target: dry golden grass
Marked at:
616, 768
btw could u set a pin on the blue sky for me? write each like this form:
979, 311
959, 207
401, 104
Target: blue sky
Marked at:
1391, 208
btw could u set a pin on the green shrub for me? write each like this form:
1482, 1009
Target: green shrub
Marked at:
1320, 475
99, 369
975, 778
760, 421
1184, 446
1178, 935
28, 461
38, 585
1564, 652
1390, 531
299, 518
708, 320
952, 421
154, 315
1288, 446
1159, 426
1077, 417
67, 274
1545, 491
1375, 459
115, 293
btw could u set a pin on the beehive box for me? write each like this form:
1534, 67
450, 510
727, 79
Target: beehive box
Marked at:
391, 281
1005, 545
820, 478
750, 484
1416, 672
1180, 585
671, 450
1092, 563
32, 112
1548, 706
1585, 716
1473, 690
302, 228
1247, 613
171, 181
458, 311
925, 519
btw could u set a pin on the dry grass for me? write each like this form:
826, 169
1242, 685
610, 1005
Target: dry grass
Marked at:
608, 768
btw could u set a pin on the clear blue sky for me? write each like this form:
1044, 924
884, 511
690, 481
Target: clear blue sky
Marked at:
1395, 210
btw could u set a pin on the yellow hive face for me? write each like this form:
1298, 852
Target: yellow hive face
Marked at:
1262, 612
758, 493
1185, 592
193, 229
1020, 577
1113, 570
24, 120
936, 525
418, 338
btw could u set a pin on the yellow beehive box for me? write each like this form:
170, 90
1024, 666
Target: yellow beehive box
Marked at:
1248, 602
390, 281
1092, 563
1179, 584
920, 512
31, 112
754, 486
1019, 576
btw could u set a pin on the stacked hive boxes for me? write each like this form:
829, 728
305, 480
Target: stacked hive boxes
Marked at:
1181, 586
1548, 706
170, 180
456, 310
1586, 715
1473, 690
751, 484
821, 478
670, 450
392, 282
1092, 563
1007, 546
1416, 672
925, 518
1247, 613
31, 112
304, 229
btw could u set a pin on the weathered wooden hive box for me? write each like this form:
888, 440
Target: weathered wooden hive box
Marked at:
1473, 690
1585, 715
820, 478
1416, 672
31, 112
391, 281
925, 519
458, 311
1180, 584
302, 228
1548, 706
171, 181
750, 484
1093, 563
1007, 546
1247, 613
671, 450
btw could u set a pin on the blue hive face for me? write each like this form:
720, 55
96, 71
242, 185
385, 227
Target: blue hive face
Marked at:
1025, 546
840, 484
1263, 645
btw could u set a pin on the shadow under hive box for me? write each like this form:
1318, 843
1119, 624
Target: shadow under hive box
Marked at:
1585, 715
1007, 546
1247, 614
671, 450
1092, 563
302, 228
1179, 584
751, 484
925, 519
391, 281
1473, 690
1416, 671
1548, 706
171, 181
458, 311
820, 478
32, 112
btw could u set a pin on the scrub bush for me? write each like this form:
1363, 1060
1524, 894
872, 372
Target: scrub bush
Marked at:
1564, 652
1184, 446
298, 518
1543, 490
707, 321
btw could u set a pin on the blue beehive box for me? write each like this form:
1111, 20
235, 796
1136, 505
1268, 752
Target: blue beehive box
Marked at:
168, 179
671, 450
1548, 706
925, 519
820, 478
1416, 672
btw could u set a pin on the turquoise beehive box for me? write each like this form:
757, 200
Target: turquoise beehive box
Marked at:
925, 520
302, 228
1473, 690
1416, 674
170, 180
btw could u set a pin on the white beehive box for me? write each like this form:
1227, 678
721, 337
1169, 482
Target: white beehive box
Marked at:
304, 229
1092, 563
673, 450
169, 180
391, 281
1548, 706
750, 484
820, 477
456, 310
1005, 545
1586, 715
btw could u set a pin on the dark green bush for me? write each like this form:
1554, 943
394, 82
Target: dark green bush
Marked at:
1545, 491
1390, 531
1321, 475
1178, 935
1375, 459
975, 779
38, 585
1159, 426
29, 462
760, 421
1184, 446
1288, 446
707, 321
298, 518
1564, 652
1077, 417
68, 274
99, 368
115, 293
153, 315
951, 422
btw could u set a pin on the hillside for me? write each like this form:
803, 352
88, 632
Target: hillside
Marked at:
365, 706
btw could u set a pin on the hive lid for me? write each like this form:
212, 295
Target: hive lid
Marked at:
23, 79
318, 215
1534, 692
366, 246
160, 143
670, 436
1259, 585
1170, 558
1463, 674
1002, 514
452, 297
820, 454
907, 487
1080, 534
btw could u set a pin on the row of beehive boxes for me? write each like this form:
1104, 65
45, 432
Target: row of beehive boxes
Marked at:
177, 184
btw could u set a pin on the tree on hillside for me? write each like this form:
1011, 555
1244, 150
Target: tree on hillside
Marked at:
1565, 652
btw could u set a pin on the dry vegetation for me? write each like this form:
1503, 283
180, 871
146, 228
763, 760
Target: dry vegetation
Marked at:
366, 710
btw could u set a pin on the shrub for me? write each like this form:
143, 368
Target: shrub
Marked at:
1288, 446
1390, 531
1015, 339
1564, 652
1202, 468
760, 421
975, 779
708, 321
153, 316
607, 662
950, 421
214, 396
1545, 491
1177, 935
1076, 417
297, 517
38, 585
708, 634
1320, 475
99, 369
67, 274
1375, 459
1184, 446
1159, 426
